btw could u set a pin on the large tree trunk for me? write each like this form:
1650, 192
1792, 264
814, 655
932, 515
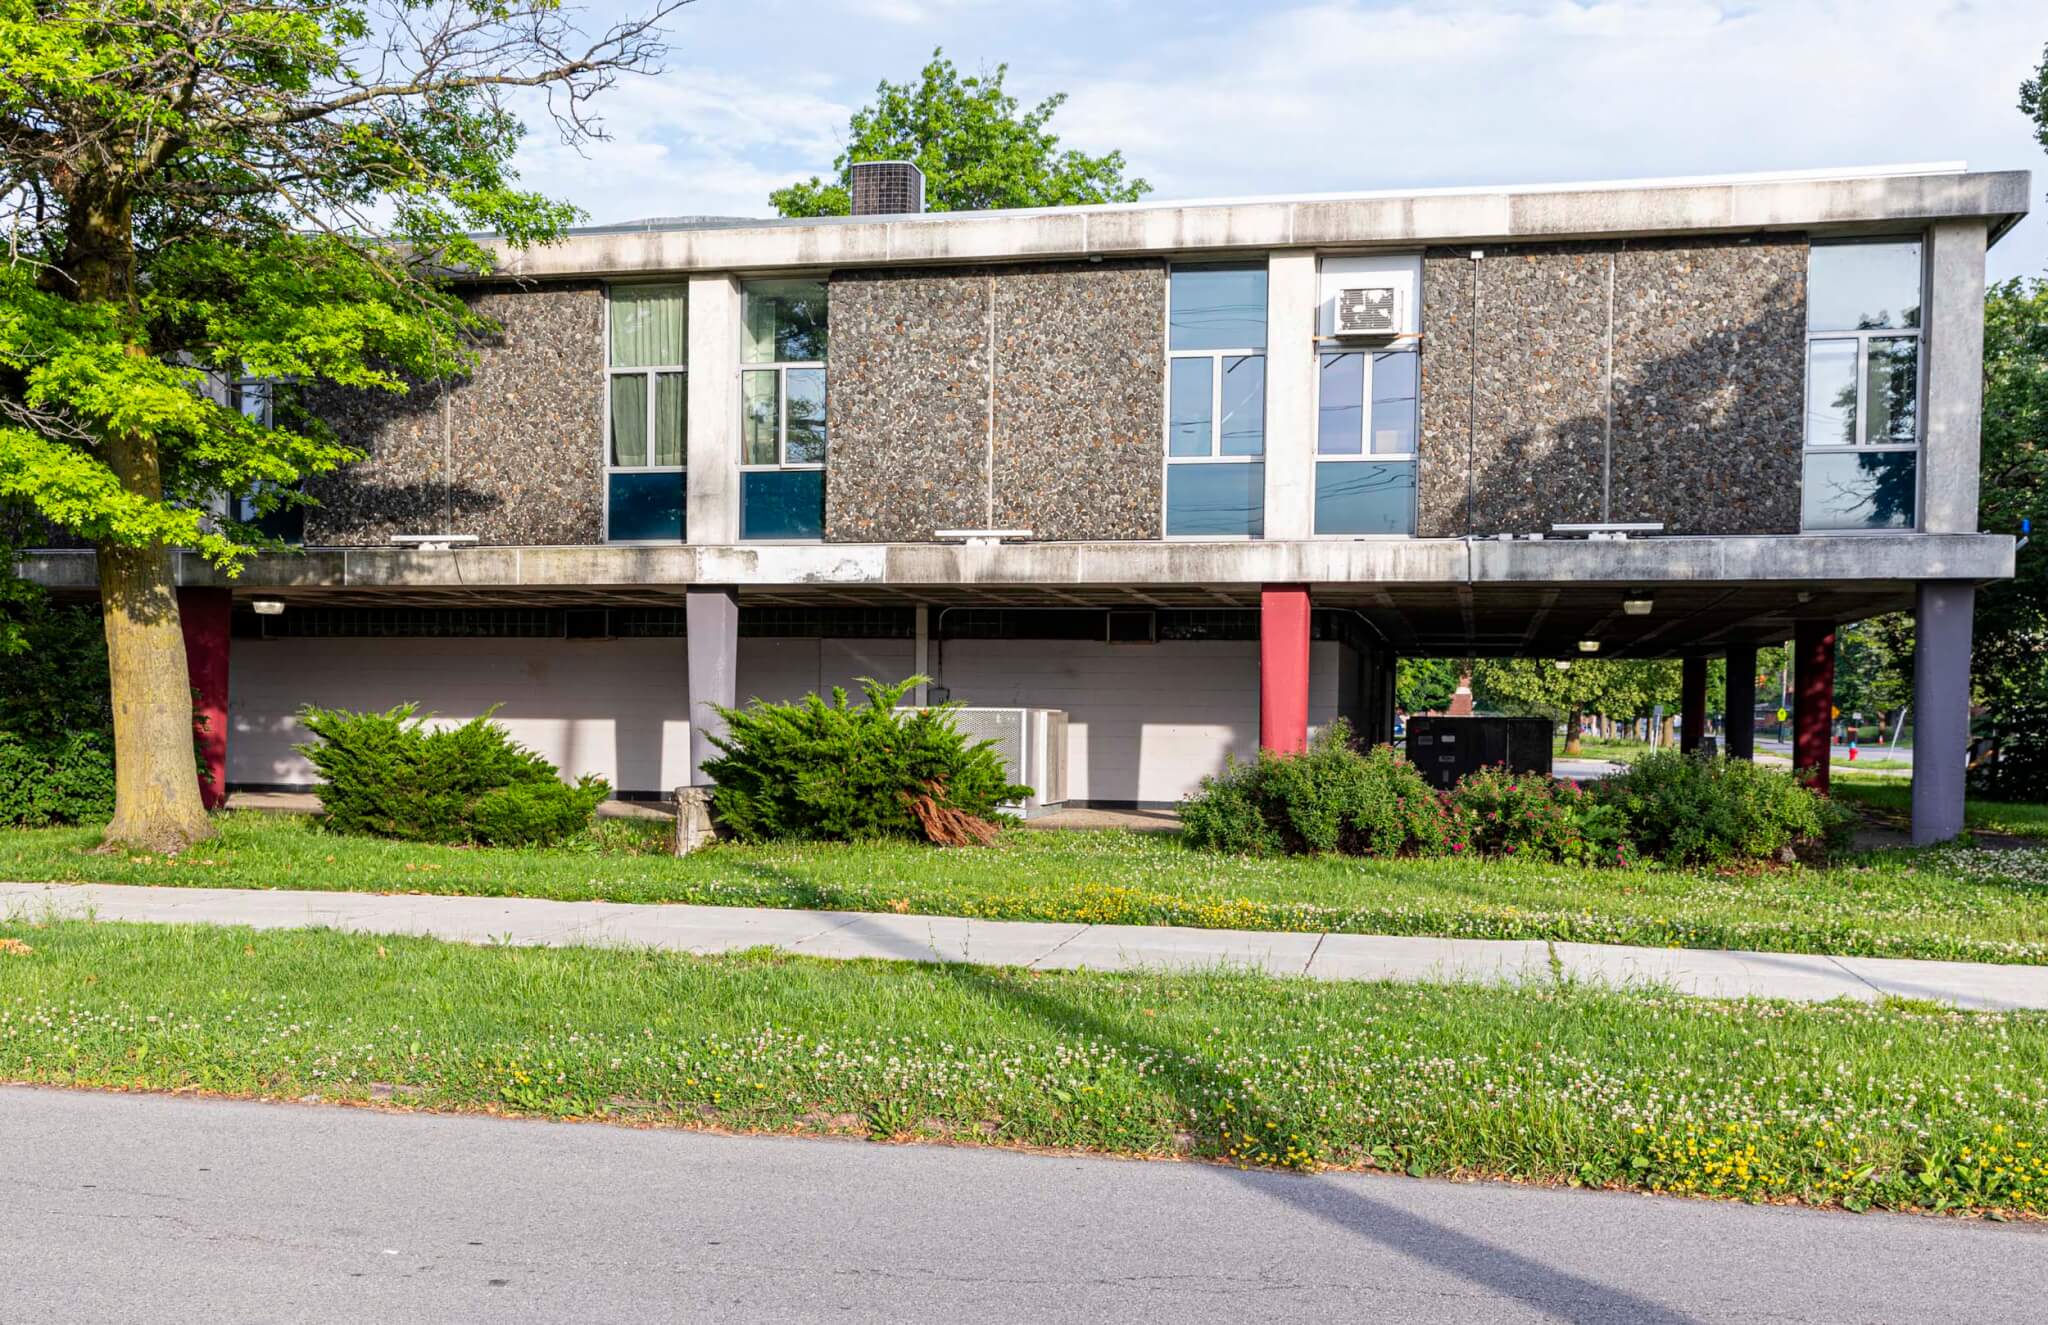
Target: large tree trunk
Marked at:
156, 772
1573, 722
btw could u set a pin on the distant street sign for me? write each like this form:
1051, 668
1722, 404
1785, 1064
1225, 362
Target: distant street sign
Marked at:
1782, 715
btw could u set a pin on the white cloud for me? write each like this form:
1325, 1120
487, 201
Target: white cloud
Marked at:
1346, 95
688, 141
1217, 97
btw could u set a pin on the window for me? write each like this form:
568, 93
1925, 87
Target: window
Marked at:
782, 410
646, 422
255, 398
1862, 386
1216, 401
1365, 442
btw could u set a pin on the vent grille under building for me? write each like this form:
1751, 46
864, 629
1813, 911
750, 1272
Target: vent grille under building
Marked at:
887, 188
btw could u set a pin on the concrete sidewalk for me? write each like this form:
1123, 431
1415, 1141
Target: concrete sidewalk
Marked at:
844, 934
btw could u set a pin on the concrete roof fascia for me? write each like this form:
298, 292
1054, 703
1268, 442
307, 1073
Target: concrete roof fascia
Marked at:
1845, 204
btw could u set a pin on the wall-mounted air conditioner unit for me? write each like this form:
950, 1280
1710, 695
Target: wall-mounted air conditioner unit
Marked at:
1032, 744
1368, 311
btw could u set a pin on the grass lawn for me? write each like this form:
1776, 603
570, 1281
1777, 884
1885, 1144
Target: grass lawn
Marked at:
1981, 906
1902, 1106
1894, 796
1600, 747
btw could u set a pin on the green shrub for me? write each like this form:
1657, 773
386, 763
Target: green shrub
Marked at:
848, 772
63, 782
1691, 809
390, 775
1328, 798
1533, 817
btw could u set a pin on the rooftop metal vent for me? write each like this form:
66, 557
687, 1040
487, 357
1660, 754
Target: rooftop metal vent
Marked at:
887, 188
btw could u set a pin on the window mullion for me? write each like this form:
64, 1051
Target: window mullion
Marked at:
781, 416
1215, 406
653, 380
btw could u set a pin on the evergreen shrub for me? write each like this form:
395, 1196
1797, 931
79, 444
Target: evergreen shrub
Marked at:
844, 771
392, 775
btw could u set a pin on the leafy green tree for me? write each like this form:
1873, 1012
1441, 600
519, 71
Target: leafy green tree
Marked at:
2011, 637
1569, 689
201, 190
976, 151
1422, 684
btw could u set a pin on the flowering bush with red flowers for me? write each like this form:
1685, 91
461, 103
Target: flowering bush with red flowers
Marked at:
1528, 816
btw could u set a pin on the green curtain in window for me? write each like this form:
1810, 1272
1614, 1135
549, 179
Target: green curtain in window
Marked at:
760, 417
669, 395
649, 325
629, 419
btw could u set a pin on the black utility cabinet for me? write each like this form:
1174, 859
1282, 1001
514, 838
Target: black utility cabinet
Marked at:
1446, 749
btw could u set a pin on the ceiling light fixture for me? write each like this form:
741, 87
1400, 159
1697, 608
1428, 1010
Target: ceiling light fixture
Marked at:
1589, 646
1637, 606
1564, 664
268, 607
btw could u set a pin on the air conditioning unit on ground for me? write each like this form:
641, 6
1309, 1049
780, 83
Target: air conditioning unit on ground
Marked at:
1033, 746
1368, 311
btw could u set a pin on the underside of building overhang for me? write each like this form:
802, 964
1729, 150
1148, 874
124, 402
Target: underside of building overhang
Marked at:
1642, 598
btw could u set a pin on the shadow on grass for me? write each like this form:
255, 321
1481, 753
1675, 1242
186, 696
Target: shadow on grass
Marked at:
1194, 1084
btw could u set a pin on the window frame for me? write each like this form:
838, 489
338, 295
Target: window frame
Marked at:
1366, 455
781, 369
649, 374
1862, 338
240, 391
1216, 357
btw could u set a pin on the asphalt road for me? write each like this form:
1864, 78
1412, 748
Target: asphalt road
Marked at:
153, 1208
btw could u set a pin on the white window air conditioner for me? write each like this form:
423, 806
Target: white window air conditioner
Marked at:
1368, 311
1032, 744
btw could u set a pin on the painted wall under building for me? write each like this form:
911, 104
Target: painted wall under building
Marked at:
997, 397
510, 454
1697, 426
615, 708
1147, 722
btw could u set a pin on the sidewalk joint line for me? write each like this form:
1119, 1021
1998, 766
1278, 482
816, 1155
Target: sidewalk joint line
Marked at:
1057, 946
1310, 964
1855, 975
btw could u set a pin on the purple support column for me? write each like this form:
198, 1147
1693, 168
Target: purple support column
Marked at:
711, 620
1941, 708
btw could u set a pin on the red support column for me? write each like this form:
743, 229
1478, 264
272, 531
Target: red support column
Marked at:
1283, 668
1813, 699
1692, 702
205, 615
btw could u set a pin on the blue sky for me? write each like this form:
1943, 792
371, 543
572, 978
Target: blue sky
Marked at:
1208, 98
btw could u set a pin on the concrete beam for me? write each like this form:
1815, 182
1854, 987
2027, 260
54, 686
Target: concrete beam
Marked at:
711, 621
1692, 702
1955, 377
1871, 202
1739, 702
1813, 700
1805, 558
713, 458
1941, 709
1291, 298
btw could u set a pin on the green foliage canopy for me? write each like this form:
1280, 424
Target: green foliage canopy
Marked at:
976, 151
200, 190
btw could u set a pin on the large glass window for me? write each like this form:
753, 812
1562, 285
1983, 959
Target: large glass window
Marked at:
1365, 442
256, 399
783, 410
1216, 401
1862, 386
646, 423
